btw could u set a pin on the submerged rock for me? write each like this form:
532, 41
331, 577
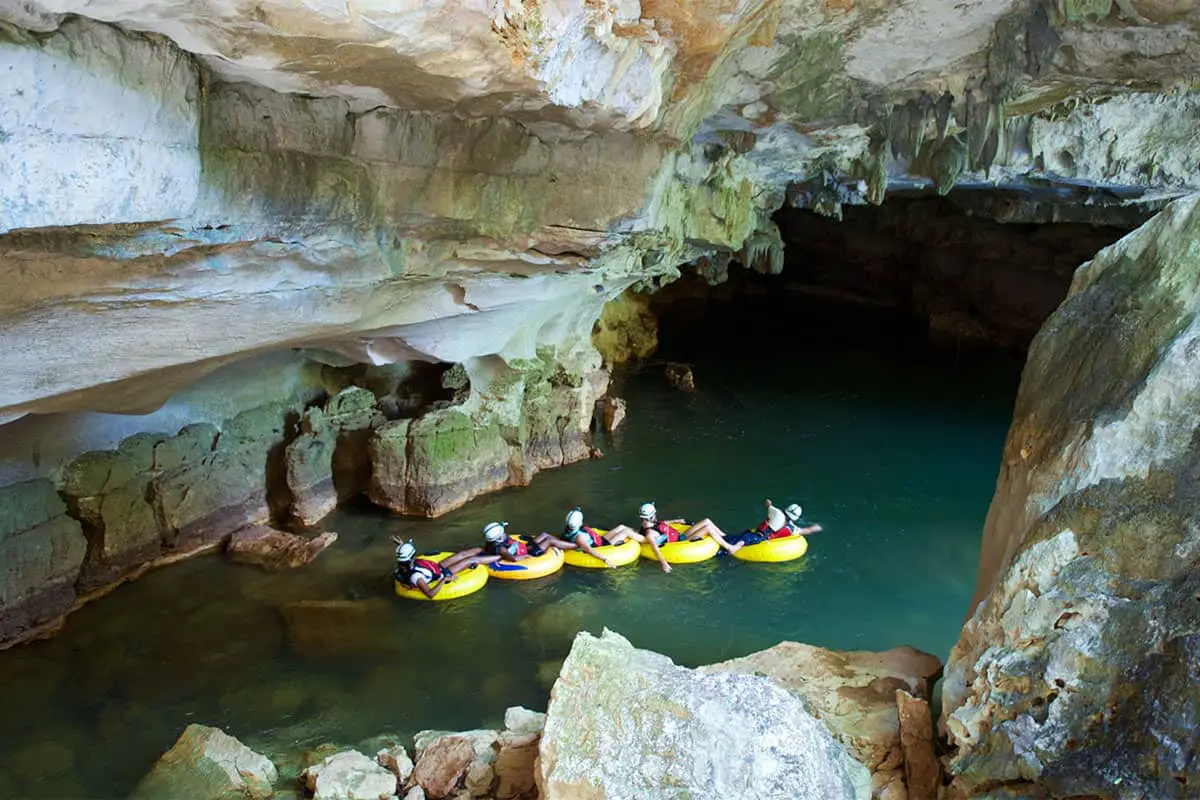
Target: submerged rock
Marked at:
336, 629
275, 550
349, 776
854, 693
628, 723
553, 627
207, 763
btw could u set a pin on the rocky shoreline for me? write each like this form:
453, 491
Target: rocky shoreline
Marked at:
155, 499
793, 721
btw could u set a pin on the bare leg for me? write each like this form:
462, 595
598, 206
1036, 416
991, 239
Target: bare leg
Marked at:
706, 527
546, 541
466, 559
623, 532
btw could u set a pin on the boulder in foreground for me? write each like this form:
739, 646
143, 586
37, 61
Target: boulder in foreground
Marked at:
629, 724
207, 763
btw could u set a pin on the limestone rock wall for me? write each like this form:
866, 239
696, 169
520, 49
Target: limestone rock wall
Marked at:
1075, 673
41, 552
517, 421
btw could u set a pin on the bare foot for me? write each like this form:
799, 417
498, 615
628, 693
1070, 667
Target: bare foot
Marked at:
666, 568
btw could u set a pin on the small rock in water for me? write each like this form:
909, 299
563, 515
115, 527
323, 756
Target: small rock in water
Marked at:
275, 550
207, 763
415, 793
680, 376
349, 776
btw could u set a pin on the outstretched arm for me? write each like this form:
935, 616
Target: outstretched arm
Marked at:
586, 546
652, 540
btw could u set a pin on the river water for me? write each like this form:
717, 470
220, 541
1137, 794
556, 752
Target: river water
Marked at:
893, 447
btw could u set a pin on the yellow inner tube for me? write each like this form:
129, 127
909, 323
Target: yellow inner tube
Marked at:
786, 549
466, 582
688, 552
619, 554
529, 567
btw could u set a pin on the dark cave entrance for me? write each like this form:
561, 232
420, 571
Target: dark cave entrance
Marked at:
975, 270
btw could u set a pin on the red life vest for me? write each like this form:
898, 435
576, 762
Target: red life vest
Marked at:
516, 548
429, 570
784, 532
668, 531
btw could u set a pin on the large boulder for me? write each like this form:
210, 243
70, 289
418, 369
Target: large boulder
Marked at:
1075, 674
207, 763
629, 723
852, 692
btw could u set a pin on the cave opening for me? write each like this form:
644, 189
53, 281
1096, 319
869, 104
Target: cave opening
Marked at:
969, 272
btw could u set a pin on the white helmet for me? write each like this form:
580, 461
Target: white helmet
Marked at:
648, 511
574, 519
793, 512
406, 552
494, 531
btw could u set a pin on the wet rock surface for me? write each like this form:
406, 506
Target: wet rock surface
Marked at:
628, 723
273, 549
349, 776
207, 763
855, 694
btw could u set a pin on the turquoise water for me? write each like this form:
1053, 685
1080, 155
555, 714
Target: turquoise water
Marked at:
892, 447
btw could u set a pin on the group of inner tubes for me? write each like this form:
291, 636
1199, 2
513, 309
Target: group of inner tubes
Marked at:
445, 576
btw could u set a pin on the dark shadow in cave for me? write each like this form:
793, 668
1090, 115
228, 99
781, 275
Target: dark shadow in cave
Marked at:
917, 271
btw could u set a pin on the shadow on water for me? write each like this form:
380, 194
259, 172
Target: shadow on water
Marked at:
891, 446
